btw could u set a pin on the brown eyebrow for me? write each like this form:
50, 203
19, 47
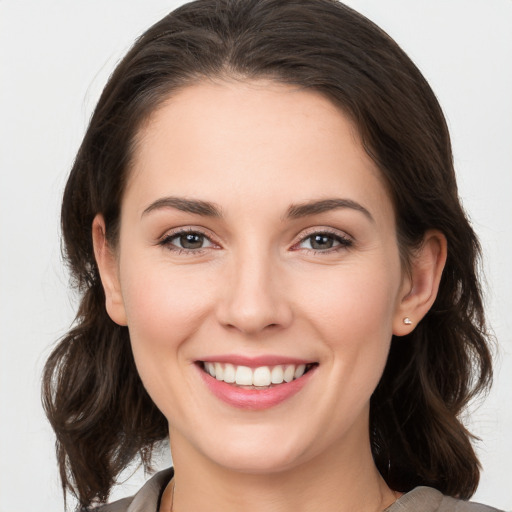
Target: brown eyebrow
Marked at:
194, 206
315, 207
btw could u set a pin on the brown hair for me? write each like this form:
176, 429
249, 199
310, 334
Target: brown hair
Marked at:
92, 394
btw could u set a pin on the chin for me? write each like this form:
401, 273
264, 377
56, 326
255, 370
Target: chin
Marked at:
256, 462
253, 452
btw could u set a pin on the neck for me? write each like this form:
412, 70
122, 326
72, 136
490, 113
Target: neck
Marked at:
340, 480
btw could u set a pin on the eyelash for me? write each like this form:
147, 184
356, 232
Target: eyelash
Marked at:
167, 241
344, 242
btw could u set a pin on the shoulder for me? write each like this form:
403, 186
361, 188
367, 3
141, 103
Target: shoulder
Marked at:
428, 499
146, 499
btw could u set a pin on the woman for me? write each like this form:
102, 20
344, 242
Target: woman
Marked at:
276, 271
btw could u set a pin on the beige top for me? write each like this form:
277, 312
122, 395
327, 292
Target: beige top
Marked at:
421, 499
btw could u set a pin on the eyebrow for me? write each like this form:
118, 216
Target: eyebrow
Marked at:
296, 211
194, 206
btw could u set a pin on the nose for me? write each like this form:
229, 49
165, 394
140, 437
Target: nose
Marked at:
254, 296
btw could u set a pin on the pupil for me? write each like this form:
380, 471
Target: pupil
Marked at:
321, 242
191, 241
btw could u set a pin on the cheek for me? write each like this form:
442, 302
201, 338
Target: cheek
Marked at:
357, 299
163, 308
354, 315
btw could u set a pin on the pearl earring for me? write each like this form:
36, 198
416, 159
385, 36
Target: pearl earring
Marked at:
407, 321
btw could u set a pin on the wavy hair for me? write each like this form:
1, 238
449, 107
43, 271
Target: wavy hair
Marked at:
92, 394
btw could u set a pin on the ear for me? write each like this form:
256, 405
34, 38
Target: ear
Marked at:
421, 285
109, 272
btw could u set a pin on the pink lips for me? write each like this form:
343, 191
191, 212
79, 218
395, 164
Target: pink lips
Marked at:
249, 398
254, 362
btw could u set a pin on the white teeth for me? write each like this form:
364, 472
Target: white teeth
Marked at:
299, 371
229, 373
243, 376
289, 372
263, 376
277, 375
219, 371
210, 367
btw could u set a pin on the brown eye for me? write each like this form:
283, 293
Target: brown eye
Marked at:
186, 241
321, 241
324, 241
191, 241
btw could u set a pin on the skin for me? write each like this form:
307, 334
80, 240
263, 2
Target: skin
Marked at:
257, 287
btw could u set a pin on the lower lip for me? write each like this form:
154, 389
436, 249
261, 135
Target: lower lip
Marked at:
255, 399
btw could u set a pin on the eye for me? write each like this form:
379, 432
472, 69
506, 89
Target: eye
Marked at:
324, 241
186, 241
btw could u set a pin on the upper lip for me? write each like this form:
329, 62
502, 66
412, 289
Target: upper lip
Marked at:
255, 361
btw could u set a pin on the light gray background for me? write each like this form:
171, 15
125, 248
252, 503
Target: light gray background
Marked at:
55, 56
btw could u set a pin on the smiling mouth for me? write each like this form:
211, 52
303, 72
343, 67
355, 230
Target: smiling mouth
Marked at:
262, 377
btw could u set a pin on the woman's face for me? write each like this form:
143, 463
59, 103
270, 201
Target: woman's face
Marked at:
257, 236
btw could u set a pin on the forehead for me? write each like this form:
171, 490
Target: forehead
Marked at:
215, 139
